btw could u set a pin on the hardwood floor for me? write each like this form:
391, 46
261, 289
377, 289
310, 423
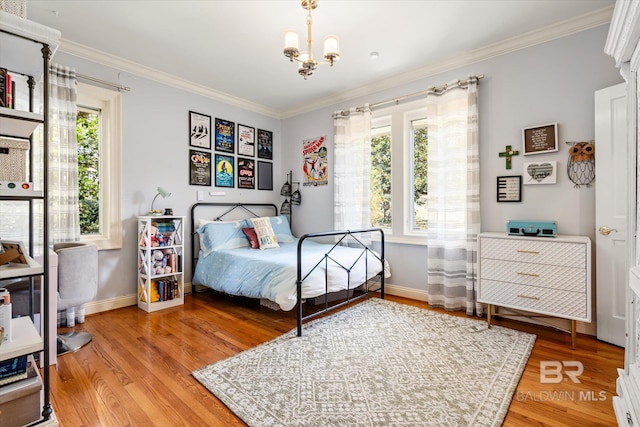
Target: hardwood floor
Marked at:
137, 370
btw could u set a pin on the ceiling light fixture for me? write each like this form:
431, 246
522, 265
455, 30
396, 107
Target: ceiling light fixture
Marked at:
292, 46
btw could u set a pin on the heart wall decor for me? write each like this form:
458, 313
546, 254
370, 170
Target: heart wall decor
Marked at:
540, 172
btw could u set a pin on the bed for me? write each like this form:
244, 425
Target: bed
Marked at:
277, 267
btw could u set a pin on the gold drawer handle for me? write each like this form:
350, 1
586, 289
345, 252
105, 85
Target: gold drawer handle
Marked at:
528, 297
523, 251
527, 274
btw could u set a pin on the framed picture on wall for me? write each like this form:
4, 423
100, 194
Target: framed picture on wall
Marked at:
265, 175
540, 139
509, 188
540, 172
246, 140
225, 136
265, 144
246, 173
199, 167
199, 130
225, 166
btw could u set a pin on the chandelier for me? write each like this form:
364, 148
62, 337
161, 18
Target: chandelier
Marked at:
292, 46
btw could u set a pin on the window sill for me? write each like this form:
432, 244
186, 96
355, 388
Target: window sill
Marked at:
404, 240
102, 242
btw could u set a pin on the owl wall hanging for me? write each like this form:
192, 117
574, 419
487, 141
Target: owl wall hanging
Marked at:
581, 166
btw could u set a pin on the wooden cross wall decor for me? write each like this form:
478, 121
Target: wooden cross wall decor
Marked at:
507, 154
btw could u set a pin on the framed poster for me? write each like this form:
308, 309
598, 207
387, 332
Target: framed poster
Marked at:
316, 162
540, 173
246, 173
246, 140
225, 136
509, 188
224, 170
199, 167
199, 130
265, 144
540, 139
265, 176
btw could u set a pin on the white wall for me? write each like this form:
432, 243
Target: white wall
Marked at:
551, 82
155, 153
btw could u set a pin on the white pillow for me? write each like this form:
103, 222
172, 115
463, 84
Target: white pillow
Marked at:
266, 237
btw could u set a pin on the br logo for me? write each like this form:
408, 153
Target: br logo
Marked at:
553, 371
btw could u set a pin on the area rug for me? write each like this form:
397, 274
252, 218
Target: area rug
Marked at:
378, 363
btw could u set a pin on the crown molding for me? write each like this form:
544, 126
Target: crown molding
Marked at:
542, 35
121, 64
532, 38
624, 32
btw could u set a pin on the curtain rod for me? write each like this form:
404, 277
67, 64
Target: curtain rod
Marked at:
104, 82
437, 90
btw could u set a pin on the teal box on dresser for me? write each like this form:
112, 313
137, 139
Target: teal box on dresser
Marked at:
532, 228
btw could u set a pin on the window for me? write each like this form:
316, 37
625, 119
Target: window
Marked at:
99, 149
399, 171
380, 177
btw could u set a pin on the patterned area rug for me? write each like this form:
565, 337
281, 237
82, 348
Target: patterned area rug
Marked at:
378, 363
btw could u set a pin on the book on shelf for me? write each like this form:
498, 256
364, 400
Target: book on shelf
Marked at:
5, 82
7, 87
28, 372
13, 366
164, 290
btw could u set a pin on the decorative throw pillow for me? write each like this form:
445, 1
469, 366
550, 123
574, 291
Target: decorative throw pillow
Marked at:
253, 238
281, 229
264, 231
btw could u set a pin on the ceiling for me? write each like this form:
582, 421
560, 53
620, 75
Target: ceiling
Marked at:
232, 49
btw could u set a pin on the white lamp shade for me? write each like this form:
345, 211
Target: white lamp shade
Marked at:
164, 192
331, 46
291, 41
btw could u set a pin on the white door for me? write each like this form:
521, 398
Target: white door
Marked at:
611, 212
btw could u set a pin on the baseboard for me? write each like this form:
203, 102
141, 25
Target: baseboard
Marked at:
118, 302
129, 300
421, 295
400, 291
405, 292
110, 304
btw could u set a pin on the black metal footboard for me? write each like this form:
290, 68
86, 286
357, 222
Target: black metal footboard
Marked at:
366, 252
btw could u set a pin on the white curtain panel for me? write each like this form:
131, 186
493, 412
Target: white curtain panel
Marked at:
352, 151
453, 199
64, 222
64, 214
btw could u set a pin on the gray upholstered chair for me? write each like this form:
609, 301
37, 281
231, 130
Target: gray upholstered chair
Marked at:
77, 285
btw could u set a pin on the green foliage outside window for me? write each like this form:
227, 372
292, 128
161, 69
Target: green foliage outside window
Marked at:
380, 181
88, 136
420, 187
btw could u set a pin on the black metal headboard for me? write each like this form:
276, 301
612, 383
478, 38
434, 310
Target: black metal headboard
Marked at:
218, 212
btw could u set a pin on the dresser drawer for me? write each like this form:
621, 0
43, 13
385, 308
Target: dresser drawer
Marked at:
535, 299
545, 276
534, 251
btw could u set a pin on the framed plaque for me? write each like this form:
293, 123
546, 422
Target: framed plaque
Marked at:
540, 139
509, 188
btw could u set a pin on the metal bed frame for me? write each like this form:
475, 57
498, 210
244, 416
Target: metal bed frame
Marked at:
350, 236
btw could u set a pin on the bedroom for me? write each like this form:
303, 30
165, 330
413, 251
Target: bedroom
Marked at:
531, 85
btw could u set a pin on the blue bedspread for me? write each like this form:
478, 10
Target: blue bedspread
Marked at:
271, 273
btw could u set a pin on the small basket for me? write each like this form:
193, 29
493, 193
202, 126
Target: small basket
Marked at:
14, 7
13, 159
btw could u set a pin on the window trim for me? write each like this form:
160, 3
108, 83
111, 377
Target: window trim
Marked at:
109, 103
399, 117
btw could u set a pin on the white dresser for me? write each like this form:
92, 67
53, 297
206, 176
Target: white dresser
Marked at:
549, 276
